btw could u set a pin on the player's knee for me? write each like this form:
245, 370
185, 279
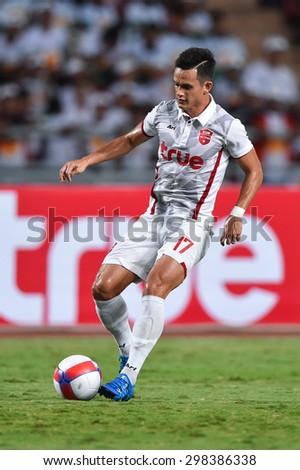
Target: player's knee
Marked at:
155, 286
103, 289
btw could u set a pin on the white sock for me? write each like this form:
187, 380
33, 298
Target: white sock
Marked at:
114, 316
146, 331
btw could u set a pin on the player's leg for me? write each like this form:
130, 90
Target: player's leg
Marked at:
129, 261
166, 275
175, 259
111, 280
111, 308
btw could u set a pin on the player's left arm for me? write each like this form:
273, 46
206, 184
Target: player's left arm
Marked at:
251, 166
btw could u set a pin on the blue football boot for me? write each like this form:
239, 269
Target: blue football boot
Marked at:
120, 389
122, 361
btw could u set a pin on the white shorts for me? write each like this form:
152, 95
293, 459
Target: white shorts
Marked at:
147, 239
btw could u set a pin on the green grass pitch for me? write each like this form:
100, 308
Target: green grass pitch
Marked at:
193, 393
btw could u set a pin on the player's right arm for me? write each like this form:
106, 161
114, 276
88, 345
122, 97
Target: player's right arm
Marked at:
116, 148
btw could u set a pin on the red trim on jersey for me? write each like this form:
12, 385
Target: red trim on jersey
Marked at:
143, 130
152, 210
153, 195
208, 186
184, 268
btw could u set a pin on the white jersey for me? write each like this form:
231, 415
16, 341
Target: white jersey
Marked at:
193, 156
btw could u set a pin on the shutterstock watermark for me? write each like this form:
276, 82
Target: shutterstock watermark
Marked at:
111, 228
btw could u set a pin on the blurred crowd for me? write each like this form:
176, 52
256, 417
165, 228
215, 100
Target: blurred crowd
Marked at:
76, 73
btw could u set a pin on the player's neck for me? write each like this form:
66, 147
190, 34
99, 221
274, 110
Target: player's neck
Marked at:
196, 110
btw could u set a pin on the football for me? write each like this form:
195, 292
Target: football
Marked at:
77, 377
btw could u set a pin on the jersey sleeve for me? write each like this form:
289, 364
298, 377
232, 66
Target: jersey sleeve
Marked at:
149, 123
238, 142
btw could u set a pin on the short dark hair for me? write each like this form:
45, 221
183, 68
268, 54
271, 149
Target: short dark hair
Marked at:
201, 59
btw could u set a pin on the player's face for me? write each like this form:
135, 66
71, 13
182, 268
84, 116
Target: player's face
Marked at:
191, 95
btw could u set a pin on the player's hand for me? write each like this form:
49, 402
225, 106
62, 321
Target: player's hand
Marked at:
232, 231
72, 168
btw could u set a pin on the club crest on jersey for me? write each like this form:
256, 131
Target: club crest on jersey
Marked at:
205, 136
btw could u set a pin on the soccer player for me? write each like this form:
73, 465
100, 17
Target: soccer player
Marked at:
197, 138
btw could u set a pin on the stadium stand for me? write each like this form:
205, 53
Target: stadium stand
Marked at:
74, 74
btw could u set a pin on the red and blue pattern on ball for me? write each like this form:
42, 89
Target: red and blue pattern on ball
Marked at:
65, 378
